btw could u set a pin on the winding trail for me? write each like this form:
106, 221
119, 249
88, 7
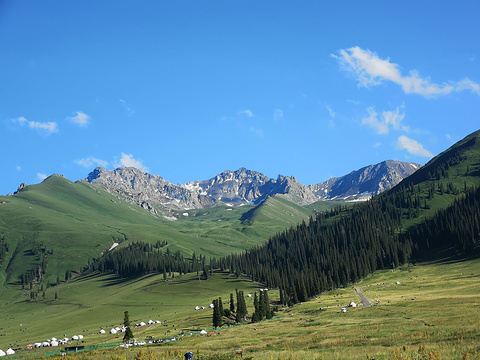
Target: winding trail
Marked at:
366, 303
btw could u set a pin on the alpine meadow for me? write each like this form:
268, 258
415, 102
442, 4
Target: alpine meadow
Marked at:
222, 180
411, 250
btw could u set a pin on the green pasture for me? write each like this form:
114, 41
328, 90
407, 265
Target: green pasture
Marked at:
433, 313
76, 222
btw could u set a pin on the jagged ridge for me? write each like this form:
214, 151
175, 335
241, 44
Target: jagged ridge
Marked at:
243, 186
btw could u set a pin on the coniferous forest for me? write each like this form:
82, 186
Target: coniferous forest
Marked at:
331, 250
311, 258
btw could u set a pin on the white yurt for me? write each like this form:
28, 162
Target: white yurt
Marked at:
2, 353
113, 331
10, 351
54, 343
203, 332
102, 331
75, 337
80, 337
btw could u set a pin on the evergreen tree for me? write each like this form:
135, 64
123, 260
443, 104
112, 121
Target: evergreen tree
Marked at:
232, 303
217, 315
241, 306
128, 332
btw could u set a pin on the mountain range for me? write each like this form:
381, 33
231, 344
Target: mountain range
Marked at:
243, 186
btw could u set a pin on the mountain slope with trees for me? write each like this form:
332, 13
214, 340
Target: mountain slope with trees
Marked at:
341, 246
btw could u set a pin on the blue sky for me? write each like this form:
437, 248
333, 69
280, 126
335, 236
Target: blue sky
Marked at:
187, 89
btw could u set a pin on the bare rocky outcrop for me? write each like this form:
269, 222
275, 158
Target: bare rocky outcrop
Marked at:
243, 186
21, 187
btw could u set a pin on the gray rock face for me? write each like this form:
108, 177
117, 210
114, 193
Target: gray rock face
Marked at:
243, 186
21, 187
366, 182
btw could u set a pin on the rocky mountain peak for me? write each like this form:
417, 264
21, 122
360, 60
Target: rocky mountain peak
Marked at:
21, 187
243, 186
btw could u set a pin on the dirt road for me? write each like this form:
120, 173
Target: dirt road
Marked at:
365, 301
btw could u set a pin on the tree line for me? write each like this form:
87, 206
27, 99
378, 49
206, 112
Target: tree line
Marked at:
330, 250
321, 255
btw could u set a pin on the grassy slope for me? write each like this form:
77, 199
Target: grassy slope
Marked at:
78, 222
435, 306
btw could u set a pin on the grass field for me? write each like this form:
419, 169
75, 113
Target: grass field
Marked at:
434, 313
75, 222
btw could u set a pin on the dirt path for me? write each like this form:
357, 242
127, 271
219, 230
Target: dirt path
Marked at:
365, 301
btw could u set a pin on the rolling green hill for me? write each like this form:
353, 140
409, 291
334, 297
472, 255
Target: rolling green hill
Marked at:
56, 227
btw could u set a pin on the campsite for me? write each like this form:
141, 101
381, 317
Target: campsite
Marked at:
402, 319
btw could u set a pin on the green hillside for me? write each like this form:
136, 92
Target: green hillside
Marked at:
57, 227
50, 231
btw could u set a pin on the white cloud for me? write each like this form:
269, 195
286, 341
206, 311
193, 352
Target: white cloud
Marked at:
81, 118
127, 160
413, 147
388, 119
258, 132
246, 112
331, 112
18, 168
49, 127
41, 176
91, 161
128, 108
377, 144
370, 70
372, 120
277, 115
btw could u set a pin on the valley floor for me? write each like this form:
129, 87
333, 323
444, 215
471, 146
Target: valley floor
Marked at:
427, 311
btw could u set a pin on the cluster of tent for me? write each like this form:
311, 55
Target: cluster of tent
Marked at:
123, 328
54, 342
204, 332
10, 351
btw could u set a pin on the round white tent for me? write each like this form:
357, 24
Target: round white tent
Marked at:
2, 353
10, 351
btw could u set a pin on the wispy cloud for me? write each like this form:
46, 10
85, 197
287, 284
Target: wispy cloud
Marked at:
127, 160
128, 108
370, 70
18, 168
81, 118
277, 115
91, 161
256, 131
247, 113
49, 127
387, 120
41, 176
331, 112
413, 147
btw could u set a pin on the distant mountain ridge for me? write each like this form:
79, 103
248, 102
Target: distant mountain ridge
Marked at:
243, 186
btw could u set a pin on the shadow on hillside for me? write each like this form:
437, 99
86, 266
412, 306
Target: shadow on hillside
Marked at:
115, 280
448, 255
